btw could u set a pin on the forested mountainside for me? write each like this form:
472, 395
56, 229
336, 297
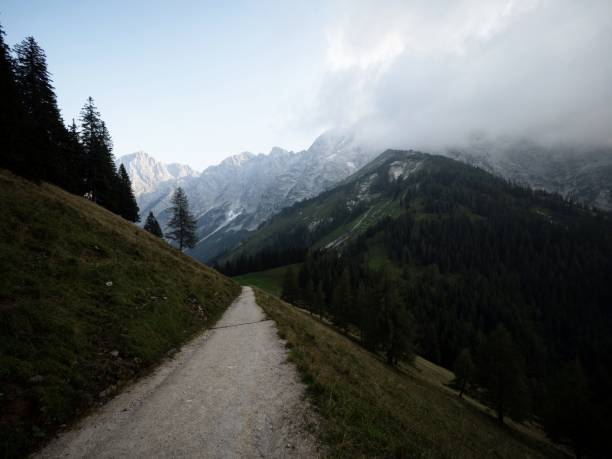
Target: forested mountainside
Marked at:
473, 263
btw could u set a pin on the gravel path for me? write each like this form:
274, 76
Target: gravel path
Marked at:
228, 393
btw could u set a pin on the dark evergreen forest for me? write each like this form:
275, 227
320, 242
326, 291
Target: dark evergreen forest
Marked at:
516, 279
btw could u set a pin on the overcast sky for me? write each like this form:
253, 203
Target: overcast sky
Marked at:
193, 81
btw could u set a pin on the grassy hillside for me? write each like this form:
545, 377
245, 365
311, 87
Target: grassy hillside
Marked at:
270, 280
88, 301
372, 410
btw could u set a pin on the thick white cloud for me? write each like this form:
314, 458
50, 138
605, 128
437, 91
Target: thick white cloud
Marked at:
427, 74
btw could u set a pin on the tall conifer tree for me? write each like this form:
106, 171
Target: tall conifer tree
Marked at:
182, 223
464, 369
570, 416
101, 179
77, 160
290, 287
128, 208
12, 151
50, 155
397, 329
501, 373
341, 300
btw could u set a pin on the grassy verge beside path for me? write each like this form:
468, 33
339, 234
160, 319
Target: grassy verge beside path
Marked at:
372, 410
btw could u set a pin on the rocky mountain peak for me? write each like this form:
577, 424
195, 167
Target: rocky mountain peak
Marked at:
147, 173
239, 159
233, 198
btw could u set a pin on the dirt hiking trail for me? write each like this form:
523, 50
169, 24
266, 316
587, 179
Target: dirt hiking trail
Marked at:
228, 393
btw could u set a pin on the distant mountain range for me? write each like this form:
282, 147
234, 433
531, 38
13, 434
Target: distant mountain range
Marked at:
232, 199
337, 217
148, 175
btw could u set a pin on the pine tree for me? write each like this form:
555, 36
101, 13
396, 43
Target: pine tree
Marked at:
183, 224
101, 179
152, 226
12, 124
569, 416
309, 296
319, 300
501, 373
398, 330
50, 156
128, 208
341, 300
368, 304
77, 156
73, 132
403, 335
464, 370
290, 288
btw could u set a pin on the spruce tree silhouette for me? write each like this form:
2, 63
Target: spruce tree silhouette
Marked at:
182, 223
152, 226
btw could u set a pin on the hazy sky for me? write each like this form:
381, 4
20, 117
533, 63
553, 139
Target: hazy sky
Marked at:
194, 81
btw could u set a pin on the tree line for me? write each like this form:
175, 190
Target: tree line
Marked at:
36, 144
522, 366
182, 224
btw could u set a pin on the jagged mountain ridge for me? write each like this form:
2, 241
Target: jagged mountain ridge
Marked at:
147, 174
231, 199
337, 217
580, 173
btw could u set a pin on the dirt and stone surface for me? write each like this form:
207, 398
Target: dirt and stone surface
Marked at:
228, 393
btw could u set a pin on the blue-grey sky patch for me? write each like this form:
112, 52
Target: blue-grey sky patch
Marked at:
194, 82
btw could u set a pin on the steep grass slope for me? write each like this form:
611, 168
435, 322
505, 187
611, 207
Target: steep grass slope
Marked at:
88, 301
372, 410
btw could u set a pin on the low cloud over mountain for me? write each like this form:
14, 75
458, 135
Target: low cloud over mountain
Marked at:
432, 74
